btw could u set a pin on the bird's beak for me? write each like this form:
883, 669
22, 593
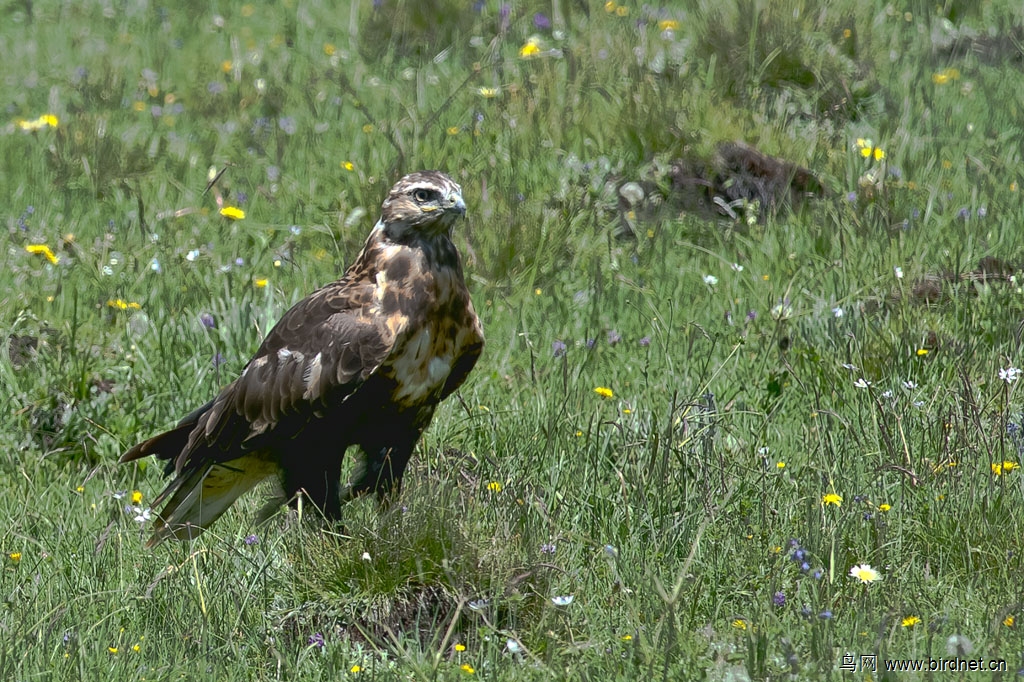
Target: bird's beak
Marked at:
455, 203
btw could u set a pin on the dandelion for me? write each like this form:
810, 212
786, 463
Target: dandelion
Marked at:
921, 352
884, 507
668, 25
780, 465
467, 668
1000, 468
121, 304
529, 49
15, 557
562, 600
44, 121
832, 499
494, 486
260, 282
112, 649
136, 648
1010, 374
233, 212
739, 624
910, 621
604, 392
355, 669
1009, 621
42, 250
865, 574
460, 647
136, 497
610, 7
348, 165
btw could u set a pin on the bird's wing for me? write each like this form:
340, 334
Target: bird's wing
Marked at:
316, 356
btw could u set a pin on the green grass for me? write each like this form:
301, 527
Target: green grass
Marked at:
677, 512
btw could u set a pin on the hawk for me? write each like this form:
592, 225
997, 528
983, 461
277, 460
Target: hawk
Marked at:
363, 361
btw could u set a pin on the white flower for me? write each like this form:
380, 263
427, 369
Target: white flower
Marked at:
865, 574
909, 385
898, 271
887, 394
737, 267
838, 312
562, 600
142, 515
513, 646
862, 383
366, 556
710, 280
848, 366
1010, 374
192, 255
154, 265
763, 450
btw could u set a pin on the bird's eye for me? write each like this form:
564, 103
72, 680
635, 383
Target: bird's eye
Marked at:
421, 195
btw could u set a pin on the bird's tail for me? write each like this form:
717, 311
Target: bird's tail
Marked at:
199, 496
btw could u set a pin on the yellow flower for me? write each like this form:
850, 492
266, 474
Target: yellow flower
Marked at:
488, 93
627, 638
355, 669
847, 33
368, 128
997, 469
462, 647
14, 556
233, 212
530, 49
260, 282
538, 291
940, 78
622, 11
136, 648
910, 621
831, 498
348, 165
46, 120
668, 25
604, 392
226, 65
865, 574
42, 250
884, 507
121, 304
579, 433
112, 649
780, 465
1009, 621
454, 130
921, 352
879, 154
137, 497
329, 49
609, 6
739, 624
494, 487
1010, 466
467, 668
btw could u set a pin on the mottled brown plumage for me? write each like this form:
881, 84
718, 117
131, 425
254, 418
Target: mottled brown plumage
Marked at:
363, 361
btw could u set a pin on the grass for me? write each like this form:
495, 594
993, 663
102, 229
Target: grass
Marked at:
675, 527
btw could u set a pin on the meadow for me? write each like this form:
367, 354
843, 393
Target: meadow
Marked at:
710, 437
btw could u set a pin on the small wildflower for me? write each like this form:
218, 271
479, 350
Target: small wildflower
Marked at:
739, 624
780, 465
909, 385
44, 121
366, 557
547, 548
251, 539
832, 499
494, 486
910, 621
136, 497
645, 342
838, 312
348, 165
865, 574
453, 130
42, 250
488, 93
460, 647
825, 615
260, 282
355, 669
921, 352
562, 600
142, 514
1009, 621
626, 638
710, 280
208, 320
884, 507
529, 49
233, 213
467, 668
329, 49
898, 271
558, 348
668, 25
604, 392
15, 557
779, 599
317, 640
1010, 374
112, 649
121, 304
136, 648
861, 383
614, 338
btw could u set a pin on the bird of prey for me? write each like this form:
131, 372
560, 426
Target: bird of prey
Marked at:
363, 361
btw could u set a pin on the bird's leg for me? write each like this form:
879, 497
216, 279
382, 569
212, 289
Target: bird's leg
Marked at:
319, 481
382, 468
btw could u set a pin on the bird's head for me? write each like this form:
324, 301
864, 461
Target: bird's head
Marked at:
422, 204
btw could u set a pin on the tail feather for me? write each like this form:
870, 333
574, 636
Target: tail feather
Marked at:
168, 445
199, 497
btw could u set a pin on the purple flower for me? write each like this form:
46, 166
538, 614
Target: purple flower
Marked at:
547, 548
825, 615
558, 348
288, 125
613, 337
317, 640
156, 110
208, 320
251, 539
751, 315
645, 341
273, 173
591, 343
541, 21
218, 360
241, 198
851, 197
964, 213
239, 261
215, 87
779, 599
